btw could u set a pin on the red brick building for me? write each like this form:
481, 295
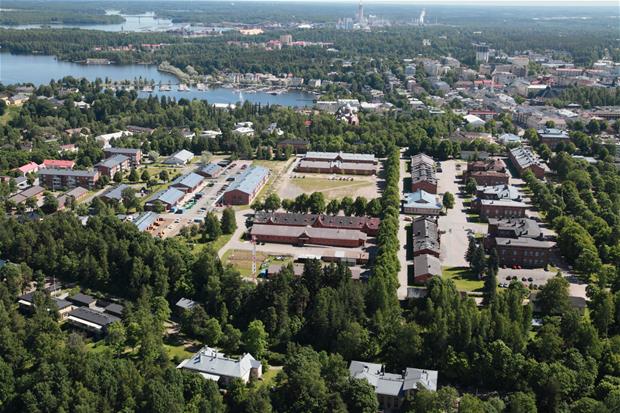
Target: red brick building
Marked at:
367, 225
55, 179
490, 208
524, 159
134, 155
297, 235
487, 173
110, 166
423, 176
246, 186
523, 252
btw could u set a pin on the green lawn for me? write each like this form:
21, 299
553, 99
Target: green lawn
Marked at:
463, 278
177, 351
217, 244
268, 377
10, 113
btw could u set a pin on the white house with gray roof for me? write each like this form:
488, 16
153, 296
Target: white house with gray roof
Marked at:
392, 388
213, 365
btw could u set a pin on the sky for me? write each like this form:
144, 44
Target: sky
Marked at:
479, 2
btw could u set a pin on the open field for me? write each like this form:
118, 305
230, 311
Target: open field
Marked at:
242, 260
331, 188
9, 113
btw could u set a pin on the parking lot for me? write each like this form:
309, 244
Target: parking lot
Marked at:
454, 226
534, 277
196, 205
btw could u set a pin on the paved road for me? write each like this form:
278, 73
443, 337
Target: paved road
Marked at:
402, 240
454, 225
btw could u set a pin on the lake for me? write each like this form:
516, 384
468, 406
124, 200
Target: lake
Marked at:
40, 70
133, 23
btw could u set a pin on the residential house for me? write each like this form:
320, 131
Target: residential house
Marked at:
213, 365
57, 164
114, 194
91, 320
393, 388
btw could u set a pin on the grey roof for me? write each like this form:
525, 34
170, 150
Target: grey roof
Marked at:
525, 157
351, 166
333, 221
503, 203
185, 303
425, 234
182, 156
426, 264
524, 242
61, 304
422, 199
123, 151
189, 180
113, 161
67, 172
210, 169
249, 180
77, 192
209, 361
553, 133
82, 299
145, 220
92, 316
342, 156
390, 384
168, 196
115, 193
114, 308
499, 192
311, 232
423, 168
518, 227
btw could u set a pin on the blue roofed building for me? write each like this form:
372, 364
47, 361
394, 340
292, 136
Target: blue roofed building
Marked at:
169, 198
211, 170
146, 220
181, 157
188, 182
246, 186
114, 194
421, 202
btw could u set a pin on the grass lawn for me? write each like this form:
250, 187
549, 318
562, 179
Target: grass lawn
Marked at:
327, 186
217, 244
178, 351
463, 279
97, 346
268, 377
10, 113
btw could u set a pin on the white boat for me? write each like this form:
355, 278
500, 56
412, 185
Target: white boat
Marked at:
147, 88
165, 88
183, 87
201, 86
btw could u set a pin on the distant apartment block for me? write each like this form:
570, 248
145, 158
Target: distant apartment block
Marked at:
134, 155
55, 179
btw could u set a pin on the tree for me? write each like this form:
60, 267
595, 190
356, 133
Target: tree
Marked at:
333, 207
346, 205
478, 262
229, 221
50, 204
163, 175
553, 296
128, 196
359, 206
448, 200
146, 176
118, 177
133, 175
212, 228
490, 286
316, 203
116, 337
470, 186
520, 402
373, 208
360, 396
255, 339
272, 202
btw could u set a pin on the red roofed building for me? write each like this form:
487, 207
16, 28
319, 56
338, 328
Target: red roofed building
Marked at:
28, 168
58, 164
367, 225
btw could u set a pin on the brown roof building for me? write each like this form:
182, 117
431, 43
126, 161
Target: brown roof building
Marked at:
425, 267
488, 172
490, 208
523, 159
368, 225
425, 236
423, 174
297, 235
523, 252
66, 178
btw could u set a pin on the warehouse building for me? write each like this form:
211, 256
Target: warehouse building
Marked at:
246, 186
